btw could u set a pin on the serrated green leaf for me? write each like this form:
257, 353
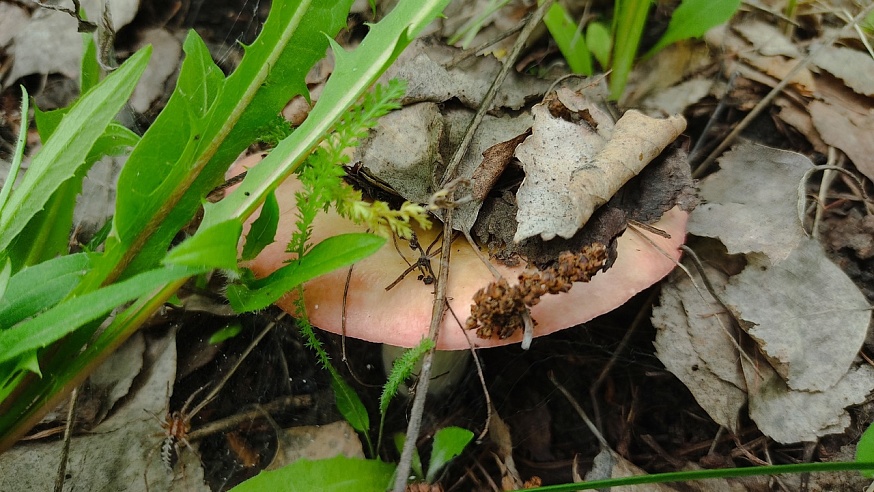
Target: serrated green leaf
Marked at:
69, 315
350, 405
216, 247
41, 286
271, 72
449, 442
63, 154
693, 18
570, 42
339, 474
330, 254
352, 75
263, 230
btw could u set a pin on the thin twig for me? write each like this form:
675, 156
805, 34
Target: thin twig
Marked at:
68, 438
403, 469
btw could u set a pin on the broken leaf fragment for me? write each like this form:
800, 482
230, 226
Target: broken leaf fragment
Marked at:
573, 165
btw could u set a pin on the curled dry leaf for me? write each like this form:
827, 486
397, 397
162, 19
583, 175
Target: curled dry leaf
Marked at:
576, 159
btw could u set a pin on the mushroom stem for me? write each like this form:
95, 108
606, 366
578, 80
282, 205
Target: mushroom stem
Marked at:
447, 368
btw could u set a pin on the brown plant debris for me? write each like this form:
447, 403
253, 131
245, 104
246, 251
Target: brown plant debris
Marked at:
498, 309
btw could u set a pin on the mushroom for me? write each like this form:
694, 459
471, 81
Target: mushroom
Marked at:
401, 315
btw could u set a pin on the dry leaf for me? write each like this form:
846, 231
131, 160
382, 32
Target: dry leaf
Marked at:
317, 442
120, 452
495, 159
50, 43
750, 202
423, 66
847, 127
855, 68
167, 51
693, 345
789, 416
805, 313
766, 38
573, 167
418, 130
13, 19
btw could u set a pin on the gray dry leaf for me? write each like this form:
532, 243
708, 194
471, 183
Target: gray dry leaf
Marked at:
423, 66
847, 126
808, 317
574, 167
167, 51
750, 202
789, 416
693, 344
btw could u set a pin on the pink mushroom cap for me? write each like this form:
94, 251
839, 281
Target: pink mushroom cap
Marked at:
401, 316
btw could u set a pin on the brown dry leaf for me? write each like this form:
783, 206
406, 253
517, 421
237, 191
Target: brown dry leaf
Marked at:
573, 167
796, 114
803, 311
750, 202
847, 127
766, 38
495, 160
772, 68
855, 68
316, 442
499, 434
665, 70
693, 344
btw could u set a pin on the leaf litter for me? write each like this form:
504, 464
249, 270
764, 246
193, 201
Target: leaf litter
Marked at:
803, 319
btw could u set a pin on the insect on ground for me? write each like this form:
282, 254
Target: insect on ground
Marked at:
176, 426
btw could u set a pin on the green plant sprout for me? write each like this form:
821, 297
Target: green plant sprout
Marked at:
49, 338
615, 48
